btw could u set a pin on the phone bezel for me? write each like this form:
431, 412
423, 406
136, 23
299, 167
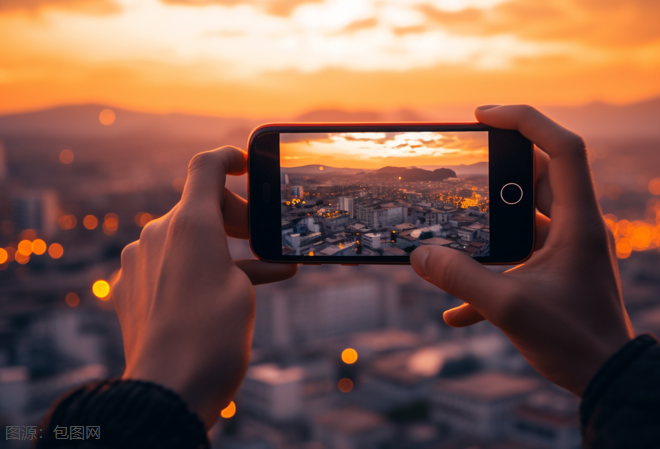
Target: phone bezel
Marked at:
510, 159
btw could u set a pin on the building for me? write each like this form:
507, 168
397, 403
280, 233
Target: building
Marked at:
382, 215
36, 210
436, 241
467, 234
297, 191
301, 243
273, 393
351, 428
321, 308
482, 404
347, 204
371, 241
548, 419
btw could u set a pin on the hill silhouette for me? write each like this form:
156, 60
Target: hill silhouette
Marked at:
413, 174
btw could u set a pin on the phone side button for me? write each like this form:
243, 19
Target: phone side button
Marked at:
350, 264
266, 192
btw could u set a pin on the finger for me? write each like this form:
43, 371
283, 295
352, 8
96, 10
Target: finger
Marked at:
461, 316
543, 191
568, 168
207, 173
235, 215
542, 230
261, 272
459, 275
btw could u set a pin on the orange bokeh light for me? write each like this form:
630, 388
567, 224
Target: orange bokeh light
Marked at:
39, 247
229, 411
22, 258
101, 289
66, 156
349, 356
28, 234
142, 218
345, 385
67, 222
25, 247
55, 250
110, 224
4, 256
72, 299
11, 253
107, 117
90, 222
654, 186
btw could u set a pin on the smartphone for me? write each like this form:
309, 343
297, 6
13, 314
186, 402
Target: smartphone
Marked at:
370, 193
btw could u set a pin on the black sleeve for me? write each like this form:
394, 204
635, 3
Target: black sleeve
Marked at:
621, 405
121, 414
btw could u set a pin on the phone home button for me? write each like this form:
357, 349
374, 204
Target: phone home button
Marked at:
511, 193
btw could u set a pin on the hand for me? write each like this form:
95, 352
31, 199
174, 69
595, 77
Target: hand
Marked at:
563, 307
186, 308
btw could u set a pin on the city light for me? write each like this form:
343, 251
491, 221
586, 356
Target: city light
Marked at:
3, 255
101, 289
229, 411
107, 117
110, 224
22, 258
39, 247
349, 356
66, 156
67, 222
654, 186
55, 250
25, 247
72, 299
345, 385
142, 218
90, 222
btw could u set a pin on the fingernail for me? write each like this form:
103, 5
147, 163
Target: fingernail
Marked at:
485, 107
418, 260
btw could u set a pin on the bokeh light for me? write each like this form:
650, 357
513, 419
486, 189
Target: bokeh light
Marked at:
67, 222
55, 250
142, 218
178, 185
22, 258
110, 224
66, 156
229, 411
72, 299
345, 385
39, 247
3, 255
107, 117
25, 247
11, 253
101, 289
28, 234
654, 186
349, 356
90, 222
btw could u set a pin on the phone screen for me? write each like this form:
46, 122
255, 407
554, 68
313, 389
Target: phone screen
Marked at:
384, 193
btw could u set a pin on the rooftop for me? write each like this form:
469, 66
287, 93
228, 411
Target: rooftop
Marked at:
488, 386
351, 421
437, 241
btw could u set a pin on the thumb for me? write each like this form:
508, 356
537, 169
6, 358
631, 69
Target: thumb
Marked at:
459, 275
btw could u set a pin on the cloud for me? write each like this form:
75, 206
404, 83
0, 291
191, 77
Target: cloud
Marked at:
100, 7
606, 23
281, 8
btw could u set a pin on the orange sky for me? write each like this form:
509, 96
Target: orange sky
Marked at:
264, 58
377, 150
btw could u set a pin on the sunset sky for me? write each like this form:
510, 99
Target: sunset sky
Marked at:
261, 58
377, 150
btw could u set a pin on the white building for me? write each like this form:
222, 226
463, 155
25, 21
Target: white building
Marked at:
352, 428
371, 241
301, 243
347, 204
272, 392
481, 404
322, 308
382, 216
